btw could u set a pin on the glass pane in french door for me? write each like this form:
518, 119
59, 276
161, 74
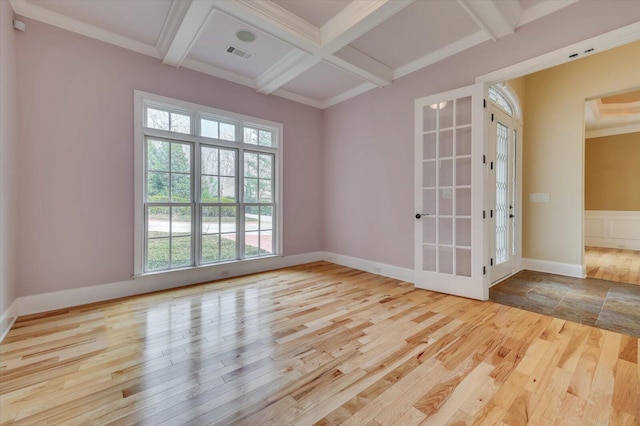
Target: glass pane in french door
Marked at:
446, 187
502, 193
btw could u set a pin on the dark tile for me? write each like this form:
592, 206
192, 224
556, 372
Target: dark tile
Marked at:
542, 305
577, 308
548, 291
610, 320
628, 292
623, 307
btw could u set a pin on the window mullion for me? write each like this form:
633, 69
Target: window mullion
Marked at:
240, 206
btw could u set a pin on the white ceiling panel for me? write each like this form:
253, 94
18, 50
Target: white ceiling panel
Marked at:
211, 47
139, 20
526, 4
434, 24
322, 82
316, 12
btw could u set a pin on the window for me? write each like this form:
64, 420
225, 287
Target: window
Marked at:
497, 98
207, 185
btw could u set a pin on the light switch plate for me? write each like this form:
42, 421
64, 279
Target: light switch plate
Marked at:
539, 197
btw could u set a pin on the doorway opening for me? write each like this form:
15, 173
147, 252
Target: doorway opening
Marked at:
505, 129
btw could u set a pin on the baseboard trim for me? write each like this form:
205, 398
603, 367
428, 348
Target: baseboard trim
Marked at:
7, 318
567, 269
44, 302
378, 268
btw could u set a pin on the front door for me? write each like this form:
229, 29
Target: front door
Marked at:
502, 214
449, 186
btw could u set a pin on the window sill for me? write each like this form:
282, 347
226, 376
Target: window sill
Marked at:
231, 268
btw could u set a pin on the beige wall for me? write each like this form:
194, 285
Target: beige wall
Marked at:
553, 151
612, 173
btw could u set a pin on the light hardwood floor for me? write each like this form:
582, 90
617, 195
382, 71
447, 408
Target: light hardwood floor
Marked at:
618, 265
315, 344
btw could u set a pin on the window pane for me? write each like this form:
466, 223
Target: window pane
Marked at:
158, 222
210, 248
180, 158
158, 155
180, 188
266, 217
266, 166
227, 190
251, 243
181, 251
265, 195
157, 187
209, 160
209, 128
227, 162
251, 218
180, 221
158, 254
228, 220
180, 123
250, 190
210, 220
209, 189
265, 138
266, 243
228, 247
227, 132
157, 119
250, 136
250, 164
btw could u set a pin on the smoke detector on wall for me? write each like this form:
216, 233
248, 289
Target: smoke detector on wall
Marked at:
239, 52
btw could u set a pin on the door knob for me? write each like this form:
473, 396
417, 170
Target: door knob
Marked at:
419, 215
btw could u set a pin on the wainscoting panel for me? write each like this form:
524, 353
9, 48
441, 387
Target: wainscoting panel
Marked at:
612, 229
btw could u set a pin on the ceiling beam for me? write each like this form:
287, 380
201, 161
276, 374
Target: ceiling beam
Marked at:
319, 43
498, 19
286, 69
182, 29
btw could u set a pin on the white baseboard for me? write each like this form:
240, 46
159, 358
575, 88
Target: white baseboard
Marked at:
44, 302
384, 269
7, 319
567, 269
154, 282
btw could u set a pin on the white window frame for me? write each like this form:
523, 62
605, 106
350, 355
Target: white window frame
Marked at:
196, 111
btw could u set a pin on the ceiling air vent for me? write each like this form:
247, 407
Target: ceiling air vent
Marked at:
239, 52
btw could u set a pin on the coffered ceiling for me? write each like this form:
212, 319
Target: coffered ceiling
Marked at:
613, 115
317, 52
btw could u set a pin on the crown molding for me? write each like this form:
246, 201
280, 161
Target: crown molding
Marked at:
37, 13
612, 131
351, 93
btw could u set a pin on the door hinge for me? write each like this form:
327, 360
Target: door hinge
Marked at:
484, 103
491, 213
492, 165
484, 270
491, 262
492, 117
484, 159
484, 214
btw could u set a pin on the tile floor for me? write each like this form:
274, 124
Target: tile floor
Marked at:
604, 304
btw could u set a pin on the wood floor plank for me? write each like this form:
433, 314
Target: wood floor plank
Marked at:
313, 344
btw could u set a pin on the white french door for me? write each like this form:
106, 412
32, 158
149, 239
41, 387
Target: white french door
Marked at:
502, 195
449, 190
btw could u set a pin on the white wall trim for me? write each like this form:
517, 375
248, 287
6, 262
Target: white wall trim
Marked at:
7, 319
44, 302
612, 131
378, 268
566, 269
154, 282
599, 43
612, 229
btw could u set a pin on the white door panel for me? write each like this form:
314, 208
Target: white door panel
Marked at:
449, 187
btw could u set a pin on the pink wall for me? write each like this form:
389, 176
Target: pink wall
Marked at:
369, 142
8, 156
76, 155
